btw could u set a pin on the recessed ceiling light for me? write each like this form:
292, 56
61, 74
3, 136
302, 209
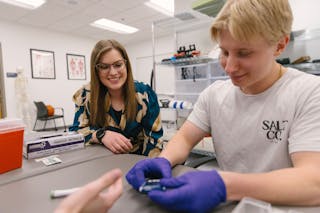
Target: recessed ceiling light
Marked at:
114, 26
29, 4
163, 6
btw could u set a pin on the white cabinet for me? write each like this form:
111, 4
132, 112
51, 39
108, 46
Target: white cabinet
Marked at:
193, 75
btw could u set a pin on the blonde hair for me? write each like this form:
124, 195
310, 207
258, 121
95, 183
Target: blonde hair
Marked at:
245, 19
99, 93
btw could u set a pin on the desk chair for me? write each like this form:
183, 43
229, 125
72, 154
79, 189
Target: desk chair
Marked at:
42, 115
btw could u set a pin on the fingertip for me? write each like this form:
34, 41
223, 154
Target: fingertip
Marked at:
117, 172
119, 185
129, 144
127, 176
130, 179
111, 176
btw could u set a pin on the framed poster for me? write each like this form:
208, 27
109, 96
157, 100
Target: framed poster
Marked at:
42, 64
76, 65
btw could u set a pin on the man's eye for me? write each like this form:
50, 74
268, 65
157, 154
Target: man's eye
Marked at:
224, 53
243, 54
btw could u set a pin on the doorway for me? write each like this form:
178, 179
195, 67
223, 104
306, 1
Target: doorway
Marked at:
3, 110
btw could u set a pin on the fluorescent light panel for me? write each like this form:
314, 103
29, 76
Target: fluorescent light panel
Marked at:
29, 4
163, 6
114, 26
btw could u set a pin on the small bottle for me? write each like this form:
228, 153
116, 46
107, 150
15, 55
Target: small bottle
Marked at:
186, 105
178, 104
173, 104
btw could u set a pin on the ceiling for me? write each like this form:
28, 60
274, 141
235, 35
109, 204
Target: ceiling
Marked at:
74, 17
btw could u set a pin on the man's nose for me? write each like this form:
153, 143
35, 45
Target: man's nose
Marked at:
231, 64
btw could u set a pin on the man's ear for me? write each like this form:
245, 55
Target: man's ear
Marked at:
282, 44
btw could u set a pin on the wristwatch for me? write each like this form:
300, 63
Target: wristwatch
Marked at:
100, 133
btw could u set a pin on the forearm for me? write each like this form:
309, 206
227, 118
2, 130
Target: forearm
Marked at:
176, 151
179, 147
292, 186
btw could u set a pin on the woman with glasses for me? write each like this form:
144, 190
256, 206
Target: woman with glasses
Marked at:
113, 109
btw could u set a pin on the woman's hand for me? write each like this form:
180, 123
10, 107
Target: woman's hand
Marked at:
92, 198
116, 142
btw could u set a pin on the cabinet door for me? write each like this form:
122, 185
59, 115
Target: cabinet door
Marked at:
191, 80
217, 72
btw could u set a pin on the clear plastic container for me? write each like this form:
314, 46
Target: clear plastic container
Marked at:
251, 205
10, 124
216, 69
192, 72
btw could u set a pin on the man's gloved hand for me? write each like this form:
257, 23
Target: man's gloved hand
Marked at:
148, 168
198, 191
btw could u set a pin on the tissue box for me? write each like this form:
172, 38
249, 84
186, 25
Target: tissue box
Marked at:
11, 143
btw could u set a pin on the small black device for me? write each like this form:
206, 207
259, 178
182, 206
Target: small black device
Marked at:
100, 133
151, 184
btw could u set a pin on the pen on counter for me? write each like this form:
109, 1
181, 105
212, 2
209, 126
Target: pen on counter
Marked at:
62, 192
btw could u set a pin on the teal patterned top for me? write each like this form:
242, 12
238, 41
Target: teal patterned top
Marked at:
146, 131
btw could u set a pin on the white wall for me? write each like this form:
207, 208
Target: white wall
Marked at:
306, 14
16, 41
142, 62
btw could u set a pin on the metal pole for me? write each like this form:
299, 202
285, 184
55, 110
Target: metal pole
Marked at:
175, 41
153, 58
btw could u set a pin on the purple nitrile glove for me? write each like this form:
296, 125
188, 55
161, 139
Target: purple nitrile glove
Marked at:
198, 191
148, 168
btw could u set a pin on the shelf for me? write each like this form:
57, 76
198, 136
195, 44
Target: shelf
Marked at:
305, 66
191, 80
314, 72
187, 61
187, 93
311, 68
225, 77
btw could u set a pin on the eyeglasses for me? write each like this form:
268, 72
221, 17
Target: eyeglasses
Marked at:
106, 68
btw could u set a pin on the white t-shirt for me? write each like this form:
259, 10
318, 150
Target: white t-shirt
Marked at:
256, 133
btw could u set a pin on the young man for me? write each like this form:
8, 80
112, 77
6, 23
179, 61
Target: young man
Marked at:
264, 121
